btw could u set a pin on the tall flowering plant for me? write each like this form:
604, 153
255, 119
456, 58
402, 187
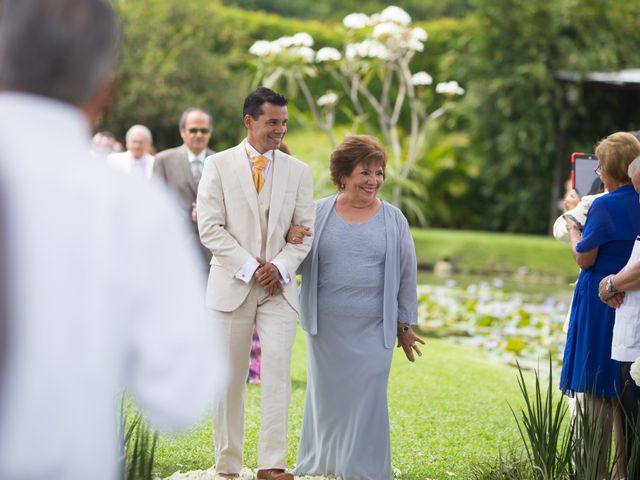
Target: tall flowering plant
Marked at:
373, 79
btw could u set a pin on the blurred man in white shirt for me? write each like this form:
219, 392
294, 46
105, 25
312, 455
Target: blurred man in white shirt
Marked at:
103, 282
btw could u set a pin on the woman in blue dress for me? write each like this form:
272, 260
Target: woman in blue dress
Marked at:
358, 297
612, 224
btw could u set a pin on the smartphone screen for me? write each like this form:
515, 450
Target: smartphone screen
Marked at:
584, 179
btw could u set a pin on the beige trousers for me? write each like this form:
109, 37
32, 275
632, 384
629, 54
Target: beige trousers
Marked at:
275, 321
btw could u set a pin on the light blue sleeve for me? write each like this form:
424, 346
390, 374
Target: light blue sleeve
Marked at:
407, 293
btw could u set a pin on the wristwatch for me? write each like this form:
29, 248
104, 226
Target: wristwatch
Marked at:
609, 286
404, 328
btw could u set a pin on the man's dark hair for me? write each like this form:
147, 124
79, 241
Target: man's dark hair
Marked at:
63, 49
254, 101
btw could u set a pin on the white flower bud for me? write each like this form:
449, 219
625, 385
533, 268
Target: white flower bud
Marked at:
419, 34
449, 89
327, 100
356, 21
387, 29
303, 39
421, 78
328, 54
260, 48
396, 15
306, 53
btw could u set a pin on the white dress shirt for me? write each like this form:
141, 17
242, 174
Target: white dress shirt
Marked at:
625, 346
106, 292
124, 161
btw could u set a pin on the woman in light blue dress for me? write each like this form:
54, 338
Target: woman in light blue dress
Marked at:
358, 296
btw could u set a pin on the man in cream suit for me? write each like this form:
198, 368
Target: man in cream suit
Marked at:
181, 167
248, 198
137, 159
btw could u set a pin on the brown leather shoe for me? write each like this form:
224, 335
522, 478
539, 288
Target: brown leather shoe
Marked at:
274, 474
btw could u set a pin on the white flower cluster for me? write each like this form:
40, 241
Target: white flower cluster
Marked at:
297, 46
449, 89
421, 78
391, 34
329, 99
389, 37
367, 49
328, 54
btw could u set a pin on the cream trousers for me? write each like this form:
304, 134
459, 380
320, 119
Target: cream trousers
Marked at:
275, 321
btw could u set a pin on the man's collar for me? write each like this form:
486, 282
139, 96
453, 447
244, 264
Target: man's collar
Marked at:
192, 156
255, 153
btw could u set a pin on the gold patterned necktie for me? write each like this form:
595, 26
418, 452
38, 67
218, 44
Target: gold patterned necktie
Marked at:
259, 163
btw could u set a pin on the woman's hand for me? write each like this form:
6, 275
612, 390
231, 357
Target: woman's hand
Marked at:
296, 234
572, 226
408, 341
603, 293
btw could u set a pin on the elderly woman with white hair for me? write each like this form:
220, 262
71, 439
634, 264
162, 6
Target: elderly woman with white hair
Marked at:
622, 292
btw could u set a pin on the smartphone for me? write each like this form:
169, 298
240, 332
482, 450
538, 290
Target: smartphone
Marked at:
584, 179
574, 220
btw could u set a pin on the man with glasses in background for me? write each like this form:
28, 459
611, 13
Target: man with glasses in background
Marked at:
181, 167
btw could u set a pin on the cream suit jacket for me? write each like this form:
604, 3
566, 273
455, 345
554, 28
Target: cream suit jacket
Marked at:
229, 224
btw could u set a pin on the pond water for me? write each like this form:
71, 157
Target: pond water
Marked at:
514, 319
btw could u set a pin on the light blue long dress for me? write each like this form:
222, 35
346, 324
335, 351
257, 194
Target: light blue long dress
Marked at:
345, 428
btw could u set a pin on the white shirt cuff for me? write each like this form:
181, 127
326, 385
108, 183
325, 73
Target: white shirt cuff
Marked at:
284, 274
247, 270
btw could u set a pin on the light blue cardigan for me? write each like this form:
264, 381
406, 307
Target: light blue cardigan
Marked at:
400, 302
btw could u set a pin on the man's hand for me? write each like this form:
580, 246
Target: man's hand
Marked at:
194, 213
296, 234
616, 300
268, 276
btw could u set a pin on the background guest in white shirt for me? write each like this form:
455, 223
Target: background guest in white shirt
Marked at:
137, 159
622, 291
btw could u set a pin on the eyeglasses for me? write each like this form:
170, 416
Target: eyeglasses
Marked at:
598, 170
194, 131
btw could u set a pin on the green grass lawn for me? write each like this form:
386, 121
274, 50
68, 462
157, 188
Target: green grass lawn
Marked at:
448, 411
481, 252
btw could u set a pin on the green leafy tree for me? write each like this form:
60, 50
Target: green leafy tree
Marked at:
176, 55
373, 84
523, 119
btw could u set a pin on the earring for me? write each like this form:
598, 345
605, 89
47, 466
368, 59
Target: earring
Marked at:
342, 186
